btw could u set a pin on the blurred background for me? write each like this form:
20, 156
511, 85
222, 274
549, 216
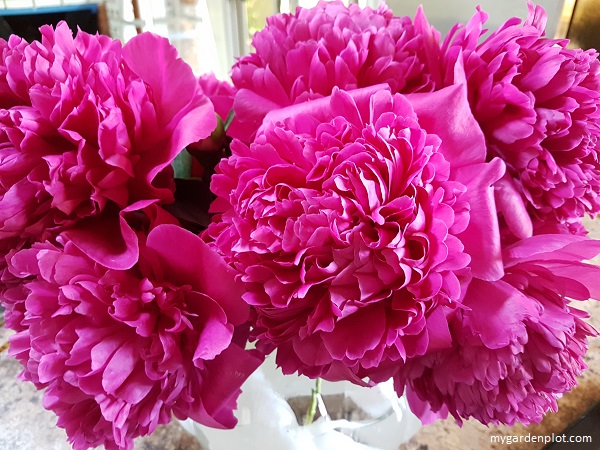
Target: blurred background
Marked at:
210, 34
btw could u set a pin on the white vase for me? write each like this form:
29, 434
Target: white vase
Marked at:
350, 417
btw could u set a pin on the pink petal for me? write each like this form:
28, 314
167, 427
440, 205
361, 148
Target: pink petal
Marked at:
447, 113
193, 262
216, 333
185, 111
482, 236
120, 366
438, 330
510, 204
497, 312
584, 274
251, 108
171, 80
356, 334
107, 239
423, 410
552, 247
224, 377
322, 108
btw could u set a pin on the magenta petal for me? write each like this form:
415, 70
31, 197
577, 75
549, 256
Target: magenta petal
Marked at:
482, 236
438, 330
510, 204
224, 377
170, 78
581, 274
185, 111
24, 263
50, 368
422, 409
447, 113
20, 344
309, 350
337, 371
193, 262
220, 93
552, 247
101, 352
323, 108
107, 239
431, 43
342, 104
497, 312
120, 366
137, 387
216, 333
251, 109
356, 334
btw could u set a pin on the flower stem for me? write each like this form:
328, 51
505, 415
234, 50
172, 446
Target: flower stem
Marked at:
312, 410
229, 119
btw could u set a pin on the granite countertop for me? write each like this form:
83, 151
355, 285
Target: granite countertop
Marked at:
25, 425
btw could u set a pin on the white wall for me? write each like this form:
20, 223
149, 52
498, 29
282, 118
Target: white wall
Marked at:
443, 14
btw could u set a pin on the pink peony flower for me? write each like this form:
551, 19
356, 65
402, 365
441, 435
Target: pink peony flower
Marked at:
537, 103
305, 55
87, 127
219, 92
518, 343
221, 95
349, 220
119, 351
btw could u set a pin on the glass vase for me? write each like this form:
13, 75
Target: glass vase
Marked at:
272, 410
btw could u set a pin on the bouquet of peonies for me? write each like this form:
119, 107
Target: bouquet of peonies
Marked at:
368, 202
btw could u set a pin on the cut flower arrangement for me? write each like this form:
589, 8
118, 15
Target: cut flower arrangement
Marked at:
366, 202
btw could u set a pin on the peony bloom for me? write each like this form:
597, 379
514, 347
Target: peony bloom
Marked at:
518, 344
349, 221
537, 103
119, 351
88, 126
221, 95
219, 92
305, 55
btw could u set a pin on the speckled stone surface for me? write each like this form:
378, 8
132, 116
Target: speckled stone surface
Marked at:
25, 425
